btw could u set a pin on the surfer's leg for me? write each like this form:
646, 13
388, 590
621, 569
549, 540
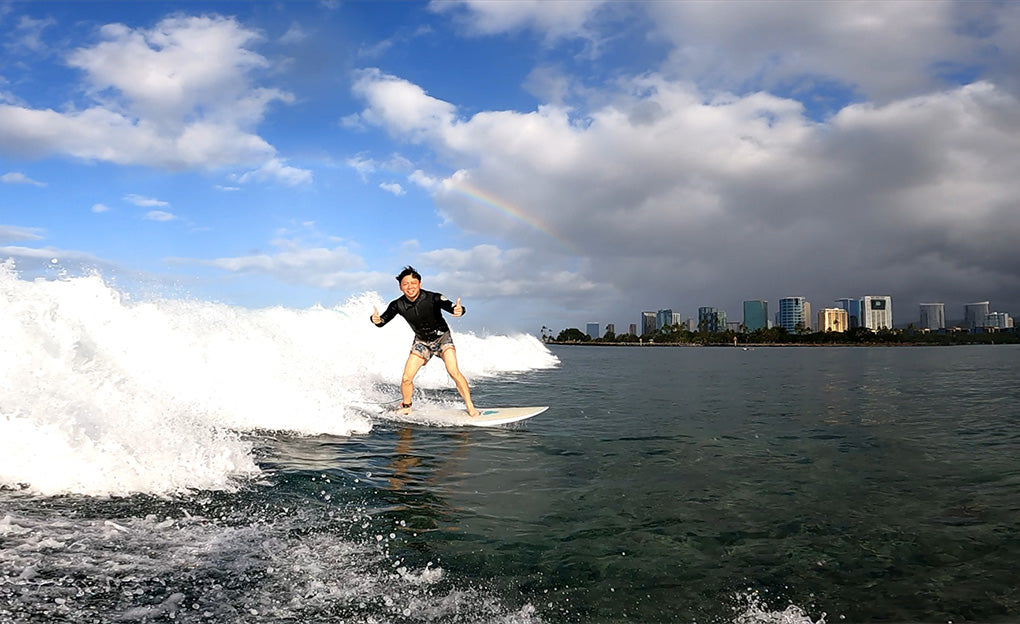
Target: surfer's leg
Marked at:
450, 359
411, 368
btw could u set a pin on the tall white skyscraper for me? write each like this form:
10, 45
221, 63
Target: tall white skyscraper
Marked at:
933, 316
974, 314
876, 312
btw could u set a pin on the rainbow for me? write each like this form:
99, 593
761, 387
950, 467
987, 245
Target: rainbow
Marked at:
465, 189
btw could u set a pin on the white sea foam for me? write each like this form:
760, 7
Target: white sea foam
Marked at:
196, 569
103, 395
751, 609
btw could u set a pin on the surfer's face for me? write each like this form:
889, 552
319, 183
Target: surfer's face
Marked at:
410, 287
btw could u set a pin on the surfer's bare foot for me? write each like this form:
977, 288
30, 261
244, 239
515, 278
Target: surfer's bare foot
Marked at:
404, 409
473, 413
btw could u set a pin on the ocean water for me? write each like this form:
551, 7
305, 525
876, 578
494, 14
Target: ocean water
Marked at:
172, 460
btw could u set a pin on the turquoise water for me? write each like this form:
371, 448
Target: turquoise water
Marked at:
664, 485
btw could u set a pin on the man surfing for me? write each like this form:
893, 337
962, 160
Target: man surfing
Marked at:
422, 309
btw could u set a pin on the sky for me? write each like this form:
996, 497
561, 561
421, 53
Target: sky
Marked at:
550, 163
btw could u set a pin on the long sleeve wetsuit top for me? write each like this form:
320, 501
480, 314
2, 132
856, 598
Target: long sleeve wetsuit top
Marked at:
424, 314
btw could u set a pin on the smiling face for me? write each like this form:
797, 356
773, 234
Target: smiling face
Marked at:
410, 286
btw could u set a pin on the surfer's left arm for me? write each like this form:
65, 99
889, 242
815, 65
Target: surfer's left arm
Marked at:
453, 308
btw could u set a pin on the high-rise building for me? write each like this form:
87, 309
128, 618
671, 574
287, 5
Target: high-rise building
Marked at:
792, 314
592, 330
998, 320
633, 329
756, 314
833, 319
933, 316
974, 314
648, 323
711, 319
610, 329
853, 310
664, 318
876, 312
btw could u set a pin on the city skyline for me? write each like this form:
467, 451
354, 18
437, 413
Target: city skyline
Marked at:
964, 321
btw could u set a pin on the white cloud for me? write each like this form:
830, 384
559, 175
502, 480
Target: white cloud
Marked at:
144, 202
364, 166
275, 170
13, 233
425, 181
33, 260
28, 34
849, 43
27, 253
400, 106
160, 215
16, 177
319, 267
393, 187
549, 84
352, 122
100, 208
375, 50
174, 69
555, 19
294, 35
178, 96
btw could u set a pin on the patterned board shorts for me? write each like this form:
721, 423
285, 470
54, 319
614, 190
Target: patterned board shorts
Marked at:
427, 349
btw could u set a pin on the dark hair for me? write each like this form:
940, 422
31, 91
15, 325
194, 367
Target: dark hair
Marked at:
409, 270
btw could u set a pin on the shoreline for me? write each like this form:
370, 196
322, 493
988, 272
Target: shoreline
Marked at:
755, 345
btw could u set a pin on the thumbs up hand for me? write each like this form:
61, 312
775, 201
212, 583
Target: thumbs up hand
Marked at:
457, 308
375, 315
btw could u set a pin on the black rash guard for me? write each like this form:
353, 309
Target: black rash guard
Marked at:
424, 314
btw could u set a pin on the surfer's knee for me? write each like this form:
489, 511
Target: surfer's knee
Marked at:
454, 371
459, 379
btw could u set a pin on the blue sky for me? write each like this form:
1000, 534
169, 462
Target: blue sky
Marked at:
551, 163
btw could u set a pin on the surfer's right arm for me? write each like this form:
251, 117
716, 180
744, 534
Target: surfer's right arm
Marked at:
381, 319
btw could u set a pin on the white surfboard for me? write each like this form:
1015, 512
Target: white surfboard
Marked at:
453, 417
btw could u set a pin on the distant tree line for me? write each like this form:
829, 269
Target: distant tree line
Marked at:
680, 335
